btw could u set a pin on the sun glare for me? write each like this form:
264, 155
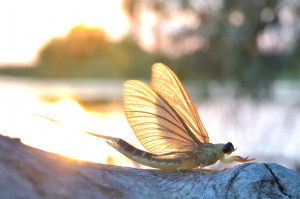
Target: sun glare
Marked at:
27, 25
67, 138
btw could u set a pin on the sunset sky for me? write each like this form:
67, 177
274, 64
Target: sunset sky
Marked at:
28, 25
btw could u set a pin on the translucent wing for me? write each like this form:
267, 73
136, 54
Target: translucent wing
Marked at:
155, 123
166, 84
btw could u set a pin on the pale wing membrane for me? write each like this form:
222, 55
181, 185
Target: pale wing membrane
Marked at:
167, 84
155, 123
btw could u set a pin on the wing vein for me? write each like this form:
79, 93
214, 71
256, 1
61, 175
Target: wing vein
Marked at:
156, 115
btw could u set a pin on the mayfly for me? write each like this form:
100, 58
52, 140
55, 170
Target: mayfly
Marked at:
166, 122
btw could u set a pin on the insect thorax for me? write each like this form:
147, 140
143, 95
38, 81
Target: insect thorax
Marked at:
209, 154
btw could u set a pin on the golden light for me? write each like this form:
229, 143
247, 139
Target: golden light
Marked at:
147, 38
66, 139
27, 25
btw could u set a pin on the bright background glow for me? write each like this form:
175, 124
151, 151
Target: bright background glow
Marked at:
27, 25
22, 97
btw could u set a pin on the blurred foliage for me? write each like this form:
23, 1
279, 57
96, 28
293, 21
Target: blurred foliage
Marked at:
87, 52
250, 42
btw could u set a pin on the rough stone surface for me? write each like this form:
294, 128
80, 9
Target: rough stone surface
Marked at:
26, 172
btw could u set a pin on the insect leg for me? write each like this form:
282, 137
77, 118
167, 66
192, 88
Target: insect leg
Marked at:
235, 158
241, 159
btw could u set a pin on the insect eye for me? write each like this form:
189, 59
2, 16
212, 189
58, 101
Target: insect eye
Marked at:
228, 148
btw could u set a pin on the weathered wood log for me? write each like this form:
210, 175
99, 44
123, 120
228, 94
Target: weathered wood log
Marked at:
26, 172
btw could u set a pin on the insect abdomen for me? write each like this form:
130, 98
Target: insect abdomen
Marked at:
146, 158
128, 149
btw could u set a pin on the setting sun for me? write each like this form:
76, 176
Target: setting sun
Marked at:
27, 25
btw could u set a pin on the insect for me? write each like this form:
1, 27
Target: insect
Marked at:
166, 122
